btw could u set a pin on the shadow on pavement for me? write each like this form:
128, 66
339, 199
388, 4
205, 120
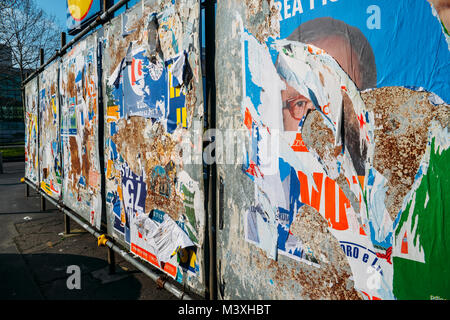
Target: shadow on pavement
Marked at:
49, 278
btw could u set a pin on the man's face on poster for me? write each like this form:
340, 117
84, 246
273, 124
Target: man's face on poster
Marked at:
295, 105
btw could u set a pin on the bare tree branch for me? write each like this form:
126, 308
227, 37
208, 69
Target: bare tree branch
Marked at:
4, 4
25, 28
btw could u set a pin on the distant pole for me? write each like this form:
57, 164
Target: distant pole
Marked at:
63, 39
43, 204
106, 5
111, 261
41, 55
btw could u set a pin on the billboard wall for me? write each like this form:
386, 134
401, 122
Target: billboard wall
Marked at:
31, 132
147, 64
50, 164
346, 119
153, 106
79, 130
331, 144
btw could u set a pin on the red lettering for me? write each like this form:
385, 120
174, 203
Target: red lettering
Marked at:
315, 194
299, 144
330, 202
344, 203
304, 189
339, 223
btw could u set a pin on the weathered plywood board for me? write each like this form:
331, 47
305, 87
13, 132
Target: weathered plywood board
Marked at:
79, 130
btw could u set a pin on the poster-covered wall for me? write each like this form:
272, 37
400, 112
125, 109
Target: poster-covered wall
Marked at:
31, 132
79, 130
153, 103
49, 143
147, 64
341, 192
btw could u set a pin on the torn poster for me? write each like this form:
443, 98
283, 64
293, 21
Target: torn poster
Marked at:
151, 89
31, 132
49, 144
358, 134
152, 94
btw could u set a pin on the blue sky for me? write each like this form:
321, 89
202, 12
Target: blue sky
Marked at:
58, 9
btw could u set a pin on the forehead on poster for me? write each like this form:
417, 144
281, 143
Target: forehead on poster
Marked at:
306, 90
345, 43
443, 9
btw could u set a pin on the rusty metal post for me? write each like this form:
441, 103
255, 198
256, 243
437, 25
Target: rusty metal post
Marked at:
111, 261
210, 49
41, 56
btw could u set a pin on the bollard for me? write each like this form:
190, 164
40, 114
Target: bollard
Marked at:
66, 224
1, 162
111, 261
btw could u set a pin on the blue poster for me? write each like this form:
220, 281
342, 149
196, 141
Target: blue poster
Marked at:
397, 43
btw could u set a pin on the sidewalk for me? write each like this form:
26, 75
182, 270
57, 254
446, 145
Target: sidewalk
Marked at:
35, 253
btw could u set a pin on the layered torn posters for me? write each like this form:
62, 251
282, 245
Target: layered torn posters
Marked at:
339, 127
152, 87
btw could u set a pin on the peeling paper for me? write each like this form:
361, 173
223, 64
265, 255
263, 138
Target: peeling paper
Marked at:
164, 239
154, 206
31, 132
170, 32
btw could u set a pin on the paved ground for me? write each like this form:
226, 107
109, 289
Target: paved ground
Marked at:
35, 253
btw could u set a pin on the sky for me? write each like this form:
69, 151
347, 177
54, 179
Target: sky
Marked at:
58, 9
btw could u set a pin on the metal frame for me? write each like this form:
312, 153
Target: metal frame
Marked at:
211, 170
